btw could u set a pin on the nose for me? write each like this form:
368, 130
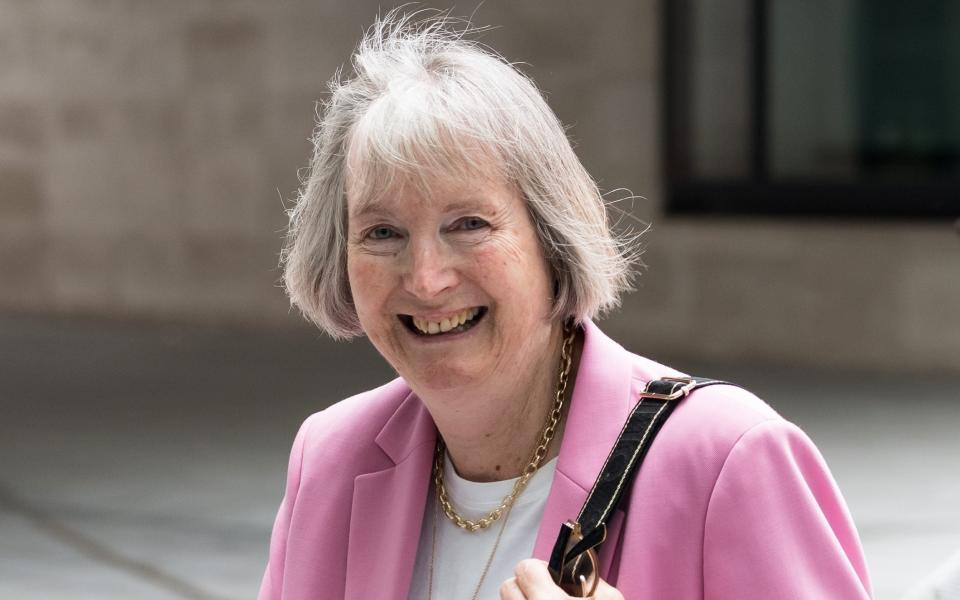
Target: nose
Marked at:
430, 271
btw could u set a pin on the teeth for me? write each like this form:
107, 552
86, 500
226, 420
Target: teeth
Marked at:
447, 323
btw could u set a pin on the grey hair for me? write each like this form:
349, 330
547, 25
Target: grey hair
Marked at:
424, 101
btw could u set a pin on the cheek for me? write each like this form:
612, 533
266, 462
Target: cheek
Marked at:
367, 284
514, 270
505, 255
526, 265
487, 261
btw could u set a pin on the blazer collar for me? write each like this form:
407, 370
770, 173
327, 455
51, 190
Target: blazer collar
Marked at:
410, 427
599, 406
387, 510
388, 505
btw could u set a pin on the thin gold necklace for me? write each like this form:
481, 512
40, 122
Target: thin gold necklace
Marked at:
506, 505
486, 567
546, 436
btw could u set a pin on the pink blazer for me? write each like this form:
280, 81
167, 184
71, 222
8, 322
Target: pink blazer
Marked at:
732, 502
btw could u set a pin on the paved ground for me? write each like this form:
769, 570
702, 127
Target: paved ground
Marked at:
144, 461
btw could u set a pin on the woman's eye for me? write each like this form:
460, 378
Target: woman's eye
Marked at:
380, 233
472, 223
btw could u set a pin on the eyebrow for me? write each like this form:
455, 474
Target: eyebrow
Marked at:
375, 207
368, 207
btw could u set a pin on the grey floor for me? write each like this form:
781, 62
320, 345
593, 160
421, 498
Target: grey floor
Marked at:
145, 461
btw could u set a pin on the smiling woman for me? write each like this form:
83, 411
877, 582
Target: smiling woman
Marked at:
435, 257
447, 219
426, 105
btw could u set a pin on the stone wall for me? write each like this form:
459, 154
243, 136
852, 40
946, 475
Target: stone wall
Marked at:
147, 151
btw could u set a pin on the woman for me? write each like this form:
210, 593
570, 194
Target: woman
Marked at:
447, 218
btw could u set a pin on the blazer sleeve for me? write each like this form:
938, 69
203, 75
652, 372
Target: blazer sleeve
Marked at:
271, 587
777, 526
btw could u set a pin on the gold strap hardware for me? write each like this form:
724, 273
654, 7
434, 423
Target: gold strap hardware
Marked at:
685, 385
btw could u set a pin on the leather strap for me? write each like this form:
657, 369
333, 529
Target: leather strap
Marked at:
656, 403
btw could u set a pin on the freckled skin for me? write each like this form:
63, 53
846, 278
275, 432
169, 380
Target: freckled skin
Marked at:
415, 255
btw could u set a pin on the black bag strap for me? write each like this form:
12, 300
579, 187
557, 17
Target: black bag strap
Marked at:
656, 403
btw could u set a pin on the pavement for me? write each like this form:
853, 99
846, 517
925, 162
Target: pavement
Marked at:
141, 460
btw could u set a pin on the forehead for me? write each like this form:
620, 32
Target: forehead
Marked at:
419, 157
484, 194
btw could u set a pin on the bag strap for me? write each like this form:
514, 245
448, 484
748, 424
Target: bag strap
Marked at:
656, 403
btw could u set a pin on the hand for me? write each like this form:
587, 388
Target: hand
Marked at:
532, 581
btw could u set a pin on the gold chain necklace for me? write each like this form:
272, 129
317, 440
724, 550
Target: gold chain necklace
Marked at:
546, 436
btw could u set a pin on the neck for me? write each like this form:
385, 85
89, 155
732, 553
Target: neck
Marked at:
491, 432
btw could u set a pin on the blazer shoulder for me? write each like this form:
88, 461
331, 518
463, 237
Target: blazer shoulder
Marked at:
725, 407
727, 410
709, 422
687, 456
713, 419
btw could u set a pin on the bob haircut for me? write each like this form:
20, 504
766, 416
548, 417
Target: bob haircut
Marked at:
424, 103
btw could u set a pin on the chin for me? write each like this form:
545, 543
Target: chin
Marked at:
445, 376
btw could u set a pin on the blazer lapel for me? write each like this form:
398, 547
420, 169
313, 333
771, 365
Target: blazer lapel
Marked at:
387, 511
599, 406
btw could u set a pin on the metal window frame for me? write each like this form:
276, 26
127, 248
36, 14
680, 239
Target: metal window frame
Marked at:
757, 195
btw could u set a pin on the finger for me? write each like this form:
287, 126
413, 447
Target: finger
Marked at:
605, 591
510, 590
535, 582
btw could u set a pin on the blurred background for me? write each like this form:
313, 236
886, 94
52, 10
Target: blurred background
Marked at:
799, 164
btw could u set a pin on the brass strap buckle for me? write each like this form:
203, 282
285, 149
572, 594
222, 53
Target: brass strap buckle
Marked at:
578, 575
682, 387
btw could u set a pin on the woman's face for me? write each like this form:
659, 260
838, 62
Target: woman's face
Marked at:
451, 287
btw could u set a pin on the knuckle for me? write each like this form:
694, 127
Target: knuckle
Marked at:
522, 568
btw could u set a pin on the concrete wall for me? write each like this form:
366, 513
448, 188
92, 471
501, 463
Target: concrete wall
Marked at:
147, 150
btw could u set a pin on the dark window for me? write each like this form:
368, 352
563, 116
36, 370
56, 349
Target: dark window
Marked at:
827, 108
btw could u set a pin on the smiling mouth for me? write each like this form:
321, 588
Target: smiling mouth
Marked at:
457, 323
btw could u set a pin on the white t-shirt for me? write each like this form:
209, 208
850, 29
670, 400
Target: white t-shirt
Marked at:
461, 555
